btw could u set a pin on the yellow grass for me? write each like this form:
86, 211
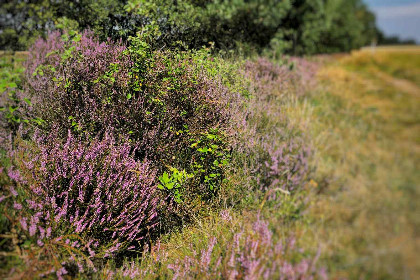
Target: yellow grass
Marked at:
366, 129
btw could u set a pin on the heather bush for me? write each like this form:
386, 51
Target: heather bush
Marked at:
286, 168
91, 200
126, 143
168, 109
273, 152
129, 142
71, 79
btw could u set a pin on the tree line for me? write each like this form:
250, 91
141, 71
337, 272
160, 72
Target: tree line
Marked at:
280, 26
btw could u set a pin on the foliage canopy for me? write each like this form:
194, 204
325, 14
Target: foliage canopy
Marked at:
292, 26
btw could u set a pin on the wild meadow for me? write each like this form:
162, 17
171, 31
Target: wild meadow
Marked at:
144, 157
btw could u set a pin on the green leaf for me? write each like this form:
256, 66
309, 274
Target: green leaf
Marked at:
77, 38
164, 178
27, 243
170, 186
27, 101
38, 121
50, 53
11, 109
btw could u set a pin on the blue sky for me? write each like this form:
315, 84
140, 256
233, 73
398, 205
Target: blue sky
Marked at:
397, 17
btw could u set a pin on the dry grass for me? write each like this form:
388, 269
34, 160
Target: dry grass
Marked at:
366, 129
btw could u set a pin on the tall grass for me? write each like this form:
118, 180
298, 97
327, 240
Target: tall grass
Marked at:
365, 128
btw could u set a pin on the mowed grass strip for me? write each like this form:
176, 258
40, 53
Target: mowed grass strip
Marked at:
365, 126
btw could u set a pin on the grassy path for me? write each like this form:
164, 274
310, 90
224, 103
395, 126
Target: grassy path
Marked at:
365, 124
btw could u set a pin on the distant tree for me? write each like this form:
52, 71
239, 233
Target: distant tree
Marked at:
393, 40
324, 26
354, 26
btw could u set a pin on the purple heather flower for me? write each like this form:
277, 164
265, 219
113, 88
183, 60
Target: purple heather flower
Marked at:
17, 206
23, 223
48, 235
224, 214
14, 175
206, 255
42, 232
32, 229
62, 271
13, 191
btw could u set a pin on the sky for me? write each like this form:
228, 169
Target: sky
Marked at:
397, 17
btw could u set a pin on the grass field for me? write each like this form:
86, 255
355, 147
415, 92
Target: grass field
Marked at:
365, 124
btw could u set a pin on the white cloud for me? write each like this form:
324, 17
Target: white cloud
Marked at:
410, 10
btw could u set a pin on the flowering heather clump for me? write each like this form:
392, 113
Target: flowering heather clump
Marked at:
244, 251
306, 71
268, 78
95, 197
286, 168
251, 255
71, 81
115, 124
277, 154
159, 101
296, 75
